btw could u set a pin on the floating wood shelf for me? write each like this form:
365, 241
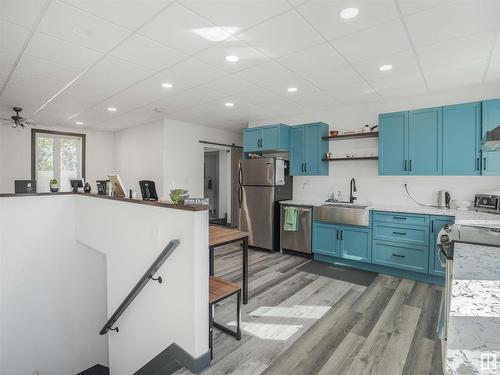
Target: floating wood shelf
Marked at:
352, 136
354, 158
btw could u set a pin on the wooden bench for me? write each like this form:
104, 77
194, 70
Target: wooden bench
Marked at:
220, 289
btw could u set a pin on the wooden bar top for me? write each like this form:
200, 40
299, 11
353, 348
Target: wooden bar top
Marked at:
189, 207
221, 235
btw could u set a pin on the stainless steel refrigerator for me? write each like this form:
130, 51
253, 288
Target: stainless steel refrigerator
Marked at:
262, 184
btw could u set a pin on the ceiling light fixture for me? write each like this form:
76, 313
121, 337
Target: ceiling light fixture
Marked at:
167, 85
79, 123
216, 34
385, 68
80, 31
229, 104
348, 13
111, 109
232, 58
292, 89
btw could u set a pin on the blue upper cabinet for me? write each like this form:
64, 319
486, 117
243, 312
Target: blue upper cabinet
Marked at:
267, 138
308, 149
490, 120
425, 137
462, 139
393, 128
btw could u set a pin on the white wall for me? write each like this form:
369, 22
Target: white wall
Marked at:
383, 189
132, 236
53, 290
183, 157
138, 155
15, 155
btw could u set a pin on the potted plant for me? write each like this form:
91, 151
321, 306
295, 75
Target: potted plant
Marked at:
54, 185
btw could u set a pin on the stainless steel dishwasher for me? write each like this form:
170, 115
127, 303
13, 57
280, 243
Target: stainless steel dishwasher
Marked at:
301, 239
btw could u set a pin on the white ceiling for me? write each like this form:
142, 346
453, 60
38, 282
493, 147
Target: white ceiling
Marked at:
68, 60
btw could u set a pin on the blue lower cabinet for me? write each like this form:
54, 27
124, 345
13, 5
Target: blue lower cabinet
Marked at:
437, 223
398, 255
356, 243
326, 239
413, 235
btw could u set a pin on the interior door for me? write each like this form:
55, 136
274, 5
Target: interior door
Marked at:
393, 144
257, 215
425, 132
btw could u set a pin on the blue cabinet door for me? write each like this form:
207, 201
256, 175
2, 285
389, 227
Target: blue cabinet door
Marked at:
315, 149
326, 239
393, 144
462, 139
271, 137
490, 120
297, 151
355, 243
251, 139
437, 223
425, 137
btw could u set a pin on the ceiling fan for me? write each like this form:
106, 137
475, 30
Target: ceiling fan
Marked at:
17, 120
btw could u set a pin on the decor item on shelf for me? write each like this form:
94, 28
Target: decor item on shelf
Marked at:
204, 201
178, 196
54, 185
334, 133
87, 188
254, 156
365, 129
374, 128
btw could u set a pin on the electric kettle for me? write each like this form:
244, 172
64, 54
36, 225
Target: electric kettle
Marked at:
444, 199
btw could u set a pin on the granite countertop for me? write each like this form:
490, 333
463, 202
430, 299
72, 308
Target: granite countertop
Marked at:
474, 322
468, 217
185, 207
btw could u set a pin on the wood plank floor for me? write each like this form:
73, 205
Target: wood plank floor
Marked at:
298, 323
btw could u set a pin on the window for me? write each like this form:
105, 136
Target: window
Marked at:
56, 155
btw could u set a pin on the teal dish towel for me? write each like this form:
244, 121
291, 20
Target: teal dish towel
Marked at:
291, 222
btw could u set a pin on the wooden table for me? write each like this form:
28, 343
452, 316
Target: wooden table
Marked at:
219, 236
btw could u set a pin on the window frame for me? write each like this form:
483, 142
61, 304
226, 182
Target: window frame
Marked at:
34, 133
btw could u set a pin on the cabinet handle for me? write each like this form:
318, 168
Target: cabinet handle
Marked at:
432, 226
399, 233
399, 218
305, 167
484, 164
302, 167
337, 234
399, 255
261, 143
342, 235
477, 165
406, 165
410, 165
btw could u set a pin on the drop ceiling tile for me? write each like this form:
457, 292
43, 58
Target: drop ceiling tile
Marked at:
75, 26
40, 87
148, 53
456, 75
458, 18
187, 99
380, 40
60, 52
281, 35
414, 6
12, 36
216, 56
262, 98
28, 103
266, 74
406, 86
6, 64
324, 15
304, 89
458, 49
129, 14
356, 92
237, 13
230, 85
404, 65
329, 79
192, 72
177, 27
496, 49
42, 68
318, 58
22, 12
493, 73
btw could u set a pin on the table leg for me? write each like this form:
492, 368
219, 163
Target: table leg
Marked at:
211, 261
245, 271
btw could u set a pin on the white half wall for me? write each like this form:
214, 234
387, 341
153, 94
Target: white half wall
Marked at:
15, 155
53, 290
383, 189
138, 155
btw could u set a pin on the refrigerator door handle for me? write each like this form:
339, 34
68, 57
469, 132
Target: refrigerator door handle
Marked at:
240, 196
240, 176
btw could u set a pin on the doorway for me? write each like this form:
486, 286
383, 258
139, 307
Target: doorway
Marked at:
211, 182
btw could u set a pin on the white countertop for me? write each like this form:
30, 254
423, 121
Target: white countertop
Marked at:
461, 217
474, 323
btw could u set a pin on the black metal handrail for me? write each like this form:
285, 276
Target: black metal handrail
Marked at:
148, 275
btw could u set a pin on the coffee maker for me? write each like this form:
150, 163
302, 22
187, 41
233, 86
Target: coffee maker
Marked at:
444, 199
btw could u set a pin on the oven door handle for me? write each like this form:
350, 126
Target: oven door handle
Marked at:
443, 251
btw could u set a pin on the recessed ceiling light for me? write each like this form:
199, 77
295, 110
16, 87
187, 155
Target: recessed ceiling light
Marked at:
216, 34
385, 68
348, 13
79, 123
166, 85
229, 104
80, 31
232, 58
292, 89
111, 109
